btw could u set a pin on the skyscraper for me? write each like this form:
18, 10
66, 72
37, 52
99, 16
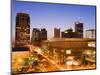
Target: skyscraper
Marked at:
79, 28
38, 35
43, 34
77, 34
70, 34
56, 32
22, 29
35, 35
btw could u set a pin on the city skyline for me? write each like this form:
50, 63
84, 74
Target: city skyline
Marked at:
49, 37
54, 15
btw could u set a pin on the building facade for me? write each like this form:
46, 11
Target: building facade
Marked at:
91, 33
61, 49
22, 35
38, 35
79, 28
56, 32
70, 34
35, 35
43, 34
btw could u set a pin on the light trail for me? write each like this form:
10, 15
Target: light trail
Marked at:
59, 67
38, 50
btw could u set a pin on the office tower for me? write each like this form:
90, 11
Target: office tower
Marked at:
70, 34
43, 34
79, 28
22, 35
56, 32
90, 33
35, 35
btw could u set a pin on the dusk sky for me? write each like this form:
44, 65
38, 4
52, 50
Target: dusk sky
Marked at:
51, 15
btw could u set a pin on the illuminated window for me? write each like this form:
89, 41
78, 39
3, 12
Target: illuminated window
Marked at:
68, 51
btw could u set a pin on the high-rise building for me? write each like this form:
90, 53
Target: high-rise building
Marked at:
56, 32
77, 34
43, 34
69, 34
35, 35
38, 35
79, 28
22, 35
90, 33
